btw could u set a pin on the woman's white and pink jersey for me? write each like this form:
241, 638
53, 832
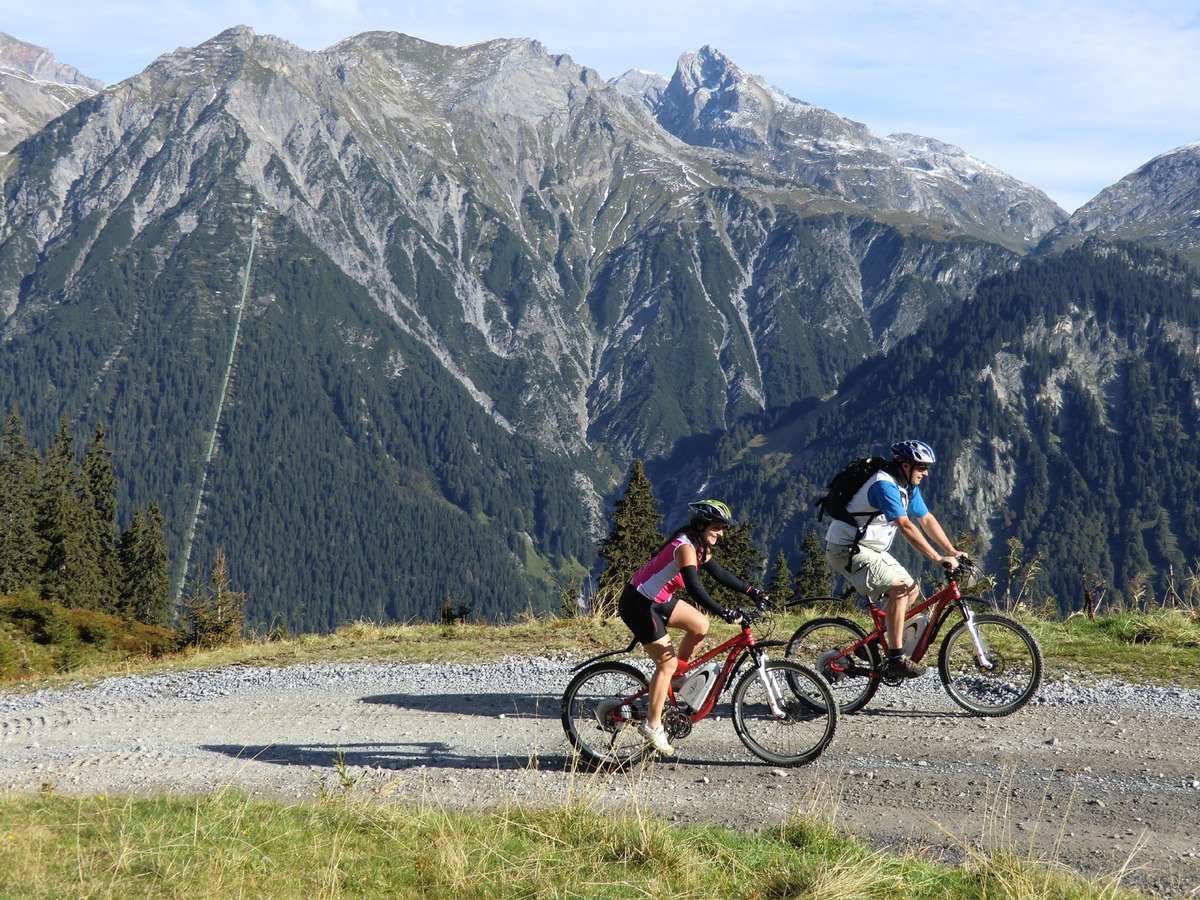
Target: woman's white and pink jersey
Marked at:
660, 578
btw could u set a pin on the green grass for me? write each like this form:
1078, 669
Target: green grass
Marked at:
226, 845
1161, 647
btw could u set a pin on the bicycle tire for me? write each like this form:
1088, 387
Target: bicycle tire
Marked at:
807, 727
811, 645
1013, 679
615, 741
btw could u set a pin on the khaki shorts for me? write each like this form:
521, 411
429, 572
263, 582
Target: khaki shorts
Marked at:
874, 571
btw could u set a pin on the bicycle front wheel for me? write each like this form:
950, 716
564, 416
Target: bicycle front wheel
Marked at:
601, 709
807, 719
1001, 683
821, 644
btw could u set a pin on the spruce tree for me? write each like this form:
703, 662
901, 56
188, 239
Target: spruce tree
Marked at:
779, 584
71, 573
99, 494
814, 578
20, 486
633, 539
145, 570
214, 613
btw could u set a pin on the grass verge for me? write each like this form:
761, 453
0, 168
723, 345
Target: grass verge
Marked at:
227, 845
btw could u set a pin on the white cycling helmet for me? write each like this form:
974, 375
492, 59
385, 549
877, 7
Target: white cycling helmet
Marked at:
917, 452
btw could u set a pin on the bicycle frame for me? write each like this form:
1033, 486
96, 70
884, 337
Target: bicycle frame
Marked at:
740, 646
944, 600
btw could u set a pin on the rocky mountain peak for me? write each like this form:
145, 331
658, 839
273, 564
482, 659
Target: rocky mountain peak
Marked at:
39, 64
35, 88
1158, 204
711, 102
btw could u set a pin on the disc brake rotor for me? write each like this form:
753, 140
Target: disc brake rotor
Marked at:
831, 675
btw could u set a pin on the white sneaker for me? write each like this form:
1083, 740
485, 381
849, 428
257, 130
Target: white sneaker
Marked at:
657, 738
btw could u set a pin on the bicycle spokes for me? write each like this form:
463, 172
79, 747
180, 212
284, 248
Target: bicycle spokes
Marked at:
990, 665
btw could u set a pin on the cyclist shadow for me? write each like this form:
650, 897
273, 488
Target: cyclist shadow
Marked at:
408, 755
388, 756
909, 713
525, 706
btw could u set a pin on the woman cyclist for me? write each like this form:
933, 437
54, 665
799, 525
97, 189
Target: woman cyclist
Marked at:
650, 604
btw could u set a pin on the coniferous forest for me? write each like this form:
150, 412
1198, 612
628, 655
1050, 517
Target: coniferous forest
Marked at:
59, 534
350, 479
1071, 384
403, 507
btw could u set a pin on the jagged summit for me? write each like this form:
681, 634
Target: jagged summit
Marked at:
711, 102
17, 56
35, 88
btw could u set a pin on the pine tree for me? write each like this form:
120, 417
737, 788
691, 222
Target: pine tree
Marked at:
814, 577
71, 573
145, 570
20, 486
99, 493
779, 584
633, 539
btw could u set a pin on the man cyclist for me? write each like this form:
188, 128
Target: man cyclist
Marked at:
888, 502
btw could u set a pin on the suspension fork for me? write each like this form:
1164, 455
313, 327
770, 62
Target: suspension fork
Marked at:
774, 698
981, 654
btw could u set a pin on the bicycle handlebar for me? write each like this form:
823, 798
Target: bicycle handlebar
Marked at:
965, 564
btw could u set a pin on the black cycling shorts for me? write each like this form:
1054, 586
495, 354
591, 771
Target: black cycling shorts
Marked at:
645, 618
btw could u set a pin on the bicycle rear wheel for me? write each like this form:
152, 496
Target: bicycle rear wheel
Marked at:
1012, 675
601, 709
807, 725
820, 643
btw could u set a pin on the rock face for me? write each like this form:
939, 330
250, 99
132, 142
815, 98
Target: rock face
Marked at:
1158, 205
710, 102
35, 89
569, 233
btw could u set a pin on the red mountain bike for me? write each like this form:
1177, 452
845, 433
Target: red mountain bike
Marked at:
783, 711
990, 664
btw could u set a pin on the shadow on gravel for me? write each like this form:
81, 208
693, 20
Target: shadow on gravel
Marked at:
914, 713
432, 755
533, 706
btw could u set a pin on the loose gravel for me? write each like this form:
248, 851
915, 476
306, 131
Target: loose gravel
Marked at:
1102, 777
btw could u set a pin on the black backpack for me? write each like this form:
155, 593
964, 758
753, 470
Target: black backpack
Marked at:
844, 486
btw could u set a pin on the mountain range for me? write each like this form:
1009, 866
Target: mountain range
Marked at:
484, 280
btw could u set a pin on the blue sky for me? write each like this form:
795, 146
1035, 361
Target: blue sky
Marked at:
1069, 96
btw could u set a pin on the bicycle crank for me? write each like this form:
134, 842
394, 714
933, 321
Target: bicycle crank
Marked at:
676, 723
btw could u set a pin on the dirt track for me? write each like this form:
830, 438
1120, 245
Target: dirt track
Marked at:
1097, 778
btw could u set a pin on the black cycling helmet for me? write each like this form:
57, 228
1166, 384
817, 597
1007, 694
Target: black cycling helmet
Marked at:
917, 452
705, 512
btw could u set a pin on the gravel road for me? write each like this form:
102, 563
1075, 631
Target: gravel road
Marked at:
1101, 777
